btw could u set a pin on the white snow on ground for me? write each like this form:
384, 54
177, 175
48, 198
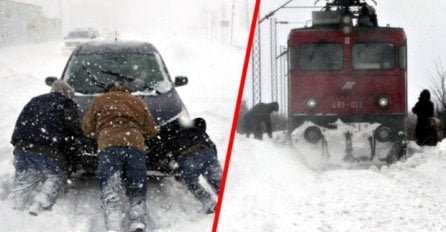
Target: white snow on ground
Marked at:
272, 187
214, 76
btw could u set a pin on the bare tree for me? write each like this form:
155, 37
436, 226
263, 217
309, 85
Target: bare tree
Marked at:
437, 84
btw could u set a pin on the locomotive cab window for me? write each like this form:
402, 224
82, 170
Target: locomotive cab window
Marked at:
292, 58
320, 56
373, 56
403, 57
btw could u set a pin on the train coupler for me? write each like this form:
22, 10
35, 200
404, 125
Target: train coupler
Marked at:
349, 148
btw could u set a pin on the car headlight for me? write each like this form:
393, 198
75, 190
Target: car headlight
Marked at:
182, 117
311, 103
383, 101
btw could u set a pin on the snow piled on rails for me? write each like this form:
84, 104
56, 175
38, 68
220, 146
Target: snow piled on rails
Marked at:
272, 187
210, 93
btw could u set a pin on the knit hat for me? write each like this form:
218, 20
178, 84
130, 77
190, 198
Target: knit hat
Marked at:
274, 106
116, 85
62, 87
200, 123
425, 95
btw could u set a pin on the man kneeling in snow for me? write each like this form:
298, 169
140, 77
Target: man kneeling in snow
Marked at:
121, 122
258, 115
196, 155
43, 139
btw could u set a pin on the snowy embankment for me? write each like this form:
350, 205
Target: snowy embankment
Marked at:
210, 94
270, 188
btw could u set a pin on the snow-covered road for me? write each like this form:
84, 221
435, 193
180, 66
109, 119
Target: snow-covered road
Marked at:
210, 93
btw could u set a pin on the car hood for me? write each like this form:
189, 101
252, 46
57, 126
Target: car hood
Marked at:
164, 107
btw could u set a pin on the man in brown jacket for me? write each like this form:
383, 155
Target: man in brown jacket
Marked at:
120, 123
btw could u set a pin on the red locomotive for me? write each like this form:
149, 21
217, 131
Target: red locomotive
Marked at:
347, 67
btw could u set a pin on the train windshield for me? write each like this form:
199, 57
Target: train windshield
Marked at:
320, 56
373, 56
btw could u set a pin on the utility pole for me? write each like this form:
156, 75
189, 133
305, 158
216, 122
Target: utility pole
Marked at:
256, 68
273, 57
256, 53
232, 24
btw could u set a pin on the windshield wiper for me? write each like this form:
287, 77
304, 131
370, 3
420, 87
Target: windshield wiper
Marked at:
92, 76
119, 75
139, 84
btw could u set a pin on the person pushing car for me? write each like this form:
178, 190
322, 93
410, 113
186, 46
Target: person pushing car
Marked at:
121, 122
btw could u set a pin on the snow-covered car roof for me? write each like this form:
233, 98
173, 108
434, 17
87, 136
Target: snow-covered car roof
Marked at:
82, 33
101, 47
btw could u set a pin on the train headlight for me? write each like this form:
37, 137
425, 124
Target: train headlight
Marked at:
383, 102
311, 103
313, 134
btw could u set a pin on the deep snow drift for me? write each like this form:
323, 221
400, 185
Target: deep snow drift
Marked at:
210, 93
272, 187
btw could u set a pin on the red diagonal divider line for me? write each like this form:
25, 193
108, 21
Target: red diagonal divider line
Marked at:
236, 113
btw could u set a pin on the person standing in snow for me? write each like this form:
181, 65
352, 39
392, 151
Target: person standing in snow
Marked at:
260, 113
120, 122
44, 138
424, 109
196, 156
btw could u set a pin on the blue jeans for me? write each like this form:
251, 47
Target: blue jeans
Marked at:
204, 163
33, 169
117, 164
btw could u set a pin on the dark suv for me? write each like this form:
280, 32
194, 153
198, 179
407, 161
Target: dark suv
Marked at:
94, 64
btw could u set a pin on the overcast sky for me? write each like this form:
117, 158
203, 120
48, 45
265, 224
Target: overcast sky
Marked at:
151, 16
423, 21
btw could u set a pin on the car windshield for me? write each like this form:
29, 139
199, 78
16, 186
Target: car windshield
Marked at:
80, 34
89, 73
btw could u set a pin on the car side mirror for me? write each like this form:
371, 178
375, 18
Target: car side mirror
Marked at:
50, 80
180, 81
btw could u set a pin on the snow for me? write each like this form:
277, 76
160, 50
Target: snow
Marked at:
210, 93
274, 187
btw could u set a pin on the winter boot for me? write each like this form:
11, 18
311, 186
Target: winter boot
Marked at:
137, 227
47, 196
137, 230
209, 206
35, 208
23, 188
112, 204
136, 217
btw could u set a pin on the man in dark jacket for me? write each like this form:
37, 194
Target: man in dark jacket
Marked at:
43, 138
424, 109
120, 123
260, 113
196, 156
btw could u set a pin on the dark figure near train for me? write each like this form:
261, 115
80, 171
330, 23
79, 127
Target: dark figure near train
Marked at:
255, 117
426, 130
